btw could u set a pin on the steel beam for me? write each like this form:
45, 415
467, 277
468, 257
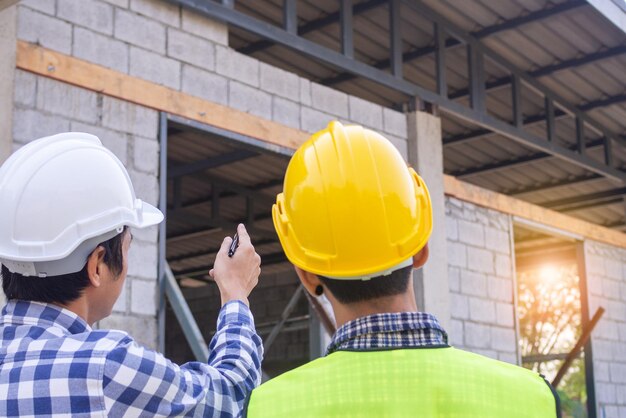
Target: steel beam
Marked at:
316, 24
211, 162
338, 60
480, 34
543, 187
515, 162
347, 30
584, 199
291, 305
395, 38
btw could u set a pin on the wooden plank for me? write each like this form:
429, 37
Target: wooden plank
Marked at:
506, 204
45, 62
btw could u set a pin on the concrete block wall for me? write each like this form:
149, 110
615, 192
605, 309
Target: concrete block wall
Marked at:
606, 286
43, 106
481, 277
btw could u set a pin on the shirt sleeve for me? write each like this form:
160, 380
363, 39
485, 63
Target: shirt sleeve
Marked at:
140, 382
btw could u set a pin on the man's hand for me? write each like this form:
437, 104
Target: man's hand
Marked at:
236, 276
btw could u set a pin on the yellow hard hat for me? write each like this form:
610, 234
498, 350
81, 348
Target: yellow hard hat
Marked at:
350, 205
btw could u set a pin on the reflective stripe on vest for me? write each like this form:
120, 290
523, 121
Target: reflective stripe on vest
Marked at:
420, 382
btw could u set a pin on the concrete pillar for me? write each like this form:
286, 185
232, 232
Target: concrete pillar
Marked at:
8, 49
426, 156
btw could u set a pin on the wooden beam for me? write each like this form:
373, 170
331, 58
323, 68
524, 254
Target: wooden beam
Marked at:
506, 204
42, 61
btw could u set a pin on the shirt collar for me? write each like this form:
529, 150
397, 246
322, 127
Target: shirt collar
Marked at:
389, 330
21, 312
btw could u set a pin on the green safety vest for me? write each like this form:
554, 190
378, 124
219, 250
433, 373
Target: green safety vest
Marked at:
415, 382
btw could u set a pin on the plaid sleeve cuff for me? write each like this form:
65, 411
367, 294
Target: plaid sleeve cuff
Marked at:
235, 312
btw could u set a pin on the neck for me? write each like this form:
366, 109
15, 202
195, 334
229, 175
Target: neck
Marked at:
80, 307
404, 302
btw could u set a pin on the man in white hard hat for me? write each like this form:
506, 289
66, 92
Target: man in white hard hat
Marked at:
66, 206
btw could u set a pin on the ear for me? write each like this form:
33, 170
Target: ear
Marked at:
309, 280
95, 263
421, 257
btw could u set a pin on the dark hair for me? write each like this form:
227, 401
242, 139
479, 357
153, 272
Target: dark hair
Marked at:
64, 288
351, 291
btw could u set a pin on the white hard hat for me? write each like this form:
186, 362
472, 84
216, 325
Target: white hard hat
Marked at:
60, 196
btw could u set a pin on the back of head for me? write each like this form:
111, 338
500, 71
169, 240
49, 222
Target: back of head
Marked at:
60, 197
351, 208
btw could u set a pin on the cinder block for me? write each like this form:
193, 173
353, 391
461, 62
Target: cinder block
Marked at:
480, 260
622, 287
140, 31
286, 112
143, 259
482, 310
44, 30
329, 100
613, 268
457, 254
279, 82
312, 120
95, 15
191, 49
601, 371
455, 333
154, 67
594, 284
100, 49
45, 6
32, 124
621, 394
236, 66
25, 88
208, 86
500, 289
250, 100
503, 266
508, 357
473, 283
477, 335
605, 393
162, 11
503, 339
394, 122
366, 113
143, 297
497, 240
66, 100
471, 233
121, 304
610, 289
116, 142
454, 279
616, 310
305, 92
621, 331
146, 155
142, 329
128, 117
119, 3
146, 187
203, 26
452, 229
602, 349
595, 264
459, 306
504, 314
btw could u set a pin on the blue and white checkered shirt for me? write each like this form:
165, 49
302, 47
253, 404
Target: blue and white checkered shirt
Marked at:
53, 364
389, 330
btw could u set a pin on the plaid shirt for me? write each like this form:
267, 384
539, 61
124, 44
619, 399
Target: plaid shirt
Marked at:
53, 364
389, 330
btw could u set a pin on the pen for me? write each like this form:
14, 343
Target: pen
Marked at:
233, 245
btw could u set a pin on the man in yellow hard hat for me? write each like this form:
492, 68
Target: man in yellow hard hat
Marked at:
355, 221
